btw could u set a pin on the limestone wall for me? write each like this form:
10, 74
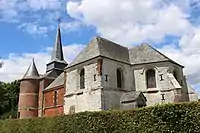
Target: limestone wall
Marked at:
109, 68
87, 99
163, 86
111, 93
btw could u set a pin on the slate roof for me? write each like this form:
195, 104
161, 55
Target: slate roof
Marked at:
99, 46
32, 72
57, 54
51, 74
57, 82
131, 96
140, 54
144, 53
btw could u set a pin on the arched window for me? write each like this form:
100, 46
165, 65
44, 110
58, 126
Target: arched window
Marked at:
82, 79
119, 78
151, 79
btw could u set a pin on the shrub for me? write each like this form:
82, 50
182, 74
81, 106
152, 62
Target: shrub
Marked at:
167, 118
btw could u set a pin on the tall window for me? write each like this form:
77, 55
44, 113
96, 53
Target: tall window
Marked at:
55, 98
82, 79
119, 78
151, 79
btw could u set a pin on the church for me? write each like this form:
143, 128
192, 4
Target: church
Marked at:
104, 76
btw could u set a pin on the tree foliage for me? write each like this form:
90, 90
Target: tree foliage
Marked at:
166, 118
9, 94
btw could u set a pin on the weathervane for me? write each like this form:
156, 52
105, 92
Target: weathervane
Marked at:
59, 19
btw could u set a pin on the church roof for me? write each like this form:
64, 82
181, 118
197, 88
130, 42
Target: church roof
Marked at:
144, 53
57, 82
32, 72
99, 46
51, 75
131, 96
140, 54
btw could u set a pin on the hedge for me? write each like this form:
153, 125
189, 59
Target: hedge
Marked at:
168, 118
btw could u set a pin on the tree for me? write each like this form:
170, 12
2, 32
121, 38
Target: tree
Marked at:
9, 95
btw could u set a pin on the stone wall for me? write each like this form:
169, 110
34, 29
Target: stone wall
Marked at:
111, 93
89, 98
163, 86
101, 91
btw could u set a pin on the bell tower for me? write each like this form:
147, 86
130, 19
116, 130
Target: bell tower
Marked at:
57, 62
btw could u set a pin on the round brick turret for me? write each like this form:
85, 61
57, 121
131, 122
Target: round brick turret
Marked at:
28, 98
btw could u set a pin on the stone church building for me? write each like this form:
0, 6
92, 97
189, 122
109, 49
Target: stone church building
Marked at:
103, 76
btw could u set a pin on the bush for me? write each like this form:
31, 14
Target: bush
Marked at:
173, 118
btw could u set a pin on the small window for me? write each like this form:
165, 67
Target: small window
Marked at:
82, 79
151, 78
55, 98
119, 78
106, 78
161, 77
95, 77
163, 97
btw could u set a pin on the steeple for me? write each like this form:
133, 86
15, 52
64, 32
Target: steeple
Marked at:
57, 53
57, 62
32, 72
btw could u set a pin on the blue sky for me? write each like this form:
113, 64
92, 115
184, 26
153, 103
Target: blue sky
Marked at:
28, 29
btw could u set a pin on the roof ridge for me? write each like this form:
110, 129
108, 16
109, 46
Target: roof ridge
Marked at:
99, 37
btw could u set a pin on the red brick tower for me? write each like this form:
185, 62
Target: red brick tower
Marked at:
28, 98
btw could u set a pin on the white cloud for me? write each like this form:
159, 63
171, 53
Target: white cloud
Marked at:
70, 26
8, 10
35, 29
134, 21
36, 17
131, 20
16, 65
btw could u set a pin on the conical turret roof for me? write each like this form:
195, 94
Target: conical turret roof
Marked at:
32, 72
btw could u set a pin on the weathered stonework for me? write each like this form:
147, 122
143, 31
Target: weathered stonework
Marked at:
164, 86
88, 99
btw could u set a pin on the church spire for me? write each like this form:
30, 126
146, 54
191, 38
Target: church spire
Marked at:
57, 54
32, 72
57, 62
